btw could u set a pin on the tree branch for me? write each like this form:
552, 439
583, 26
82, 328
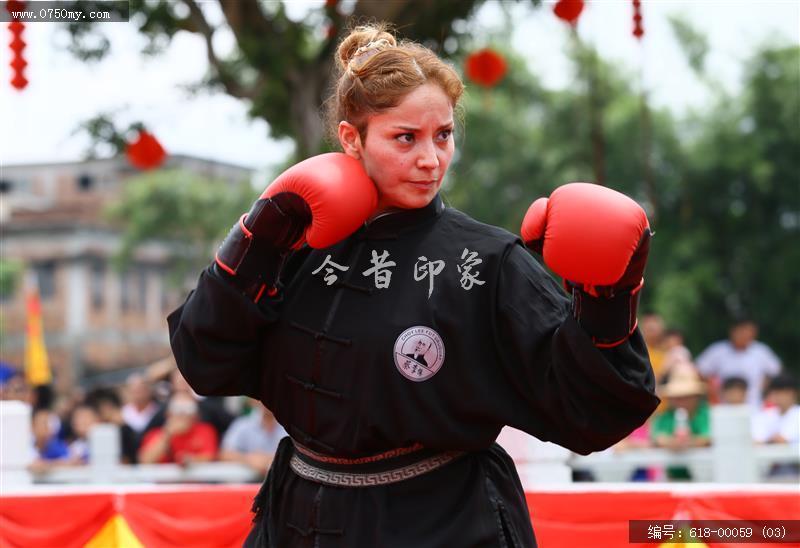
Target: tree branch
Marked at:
247, 20
419, 20
200, 25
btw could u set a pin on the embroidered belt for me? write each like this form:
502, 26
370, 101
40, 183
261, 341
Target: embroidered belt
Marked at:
389, 467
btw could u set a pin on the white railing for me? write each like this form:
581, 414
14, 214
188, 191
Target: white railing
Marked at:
732, 457
208, 472
703, 464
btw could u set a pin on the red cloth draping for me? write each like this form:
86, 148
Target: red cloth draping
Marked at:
595, 518
600, 519
214, 518
65, 521
219, 516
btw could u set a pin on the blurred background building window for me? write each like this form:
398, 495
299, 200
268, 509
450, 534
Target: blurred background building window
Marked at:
97, 284
125, 293
46, 277
85, 182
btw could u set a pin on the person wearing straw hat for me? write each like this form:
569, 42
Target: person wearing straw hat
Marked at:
686, 423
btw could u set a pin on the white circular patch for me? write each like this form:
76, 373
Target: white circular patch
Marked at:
418, 353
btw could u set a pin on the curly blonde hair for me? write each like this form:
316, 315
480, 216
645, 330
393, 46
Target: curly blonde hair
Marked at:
375, 72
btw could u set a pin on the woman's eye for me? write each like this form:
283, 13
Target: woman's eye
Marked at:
444, 135
405, 138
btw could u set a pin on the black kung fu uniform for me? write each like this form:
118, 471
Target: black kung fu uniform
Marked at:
424, 327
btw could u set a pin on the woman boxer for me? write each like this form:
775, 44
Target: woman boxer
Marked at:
393, 337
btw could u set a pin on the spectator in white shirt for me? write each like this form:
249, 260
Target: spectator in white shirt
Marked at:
253, 439
141, 406
741, 356
780, 421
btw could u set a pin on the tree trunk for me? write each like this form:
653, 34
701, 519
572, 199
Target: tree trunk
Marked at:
309, 86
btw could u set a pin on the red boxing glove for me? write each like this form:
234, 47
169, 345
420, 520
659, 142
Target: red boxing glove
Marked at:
321, 201
339, 195
597, 239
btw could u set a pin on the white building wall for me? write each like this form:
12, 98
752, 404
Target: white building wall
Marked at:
77, 297
153, 312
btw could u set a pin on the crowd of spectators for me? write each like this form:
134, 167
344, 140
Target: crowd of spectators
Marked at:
159, 420
737, 371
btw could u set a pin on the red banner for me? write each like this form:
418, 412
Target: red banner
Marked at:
217, 516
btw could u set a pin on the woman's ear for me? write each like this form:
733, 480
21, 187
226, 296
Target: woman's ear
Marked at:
350, 139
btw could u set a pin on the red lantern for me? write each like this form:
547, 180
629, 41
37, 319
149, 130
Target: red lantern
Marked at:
486, 67
145, 152
17, 46
568, 10
638, 30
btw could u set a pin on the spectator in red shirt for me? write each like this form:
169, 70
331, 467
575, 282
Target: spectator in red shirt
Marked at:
183, 438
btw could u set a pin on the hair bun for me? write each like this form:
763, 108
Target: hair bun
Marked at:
361, 41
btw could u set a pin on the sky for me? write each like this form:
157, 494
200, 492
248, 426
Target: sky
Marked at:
37, 124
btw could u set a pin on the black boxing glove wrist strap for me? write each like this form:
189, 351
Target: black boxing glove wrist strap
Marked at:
251, 261
609, 320
253, 288
249, 264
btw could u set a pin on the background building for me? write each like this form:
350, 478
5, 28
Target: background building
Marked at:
97, 319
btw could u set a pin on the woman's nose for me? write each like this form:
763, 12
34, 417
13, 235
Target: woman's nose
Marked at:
427, 157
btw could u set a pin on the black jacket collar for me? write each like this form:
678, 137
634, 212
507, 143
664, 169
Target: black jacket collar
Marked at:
390, 224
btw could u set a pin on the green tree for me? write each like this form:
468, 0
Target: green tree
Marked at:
10, 274
188, 212
693, 42
737, 219
10, 278
725, 181
522, 140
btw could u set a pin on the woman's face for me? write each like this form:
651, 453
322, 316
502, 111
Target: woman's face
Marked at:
408, 148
